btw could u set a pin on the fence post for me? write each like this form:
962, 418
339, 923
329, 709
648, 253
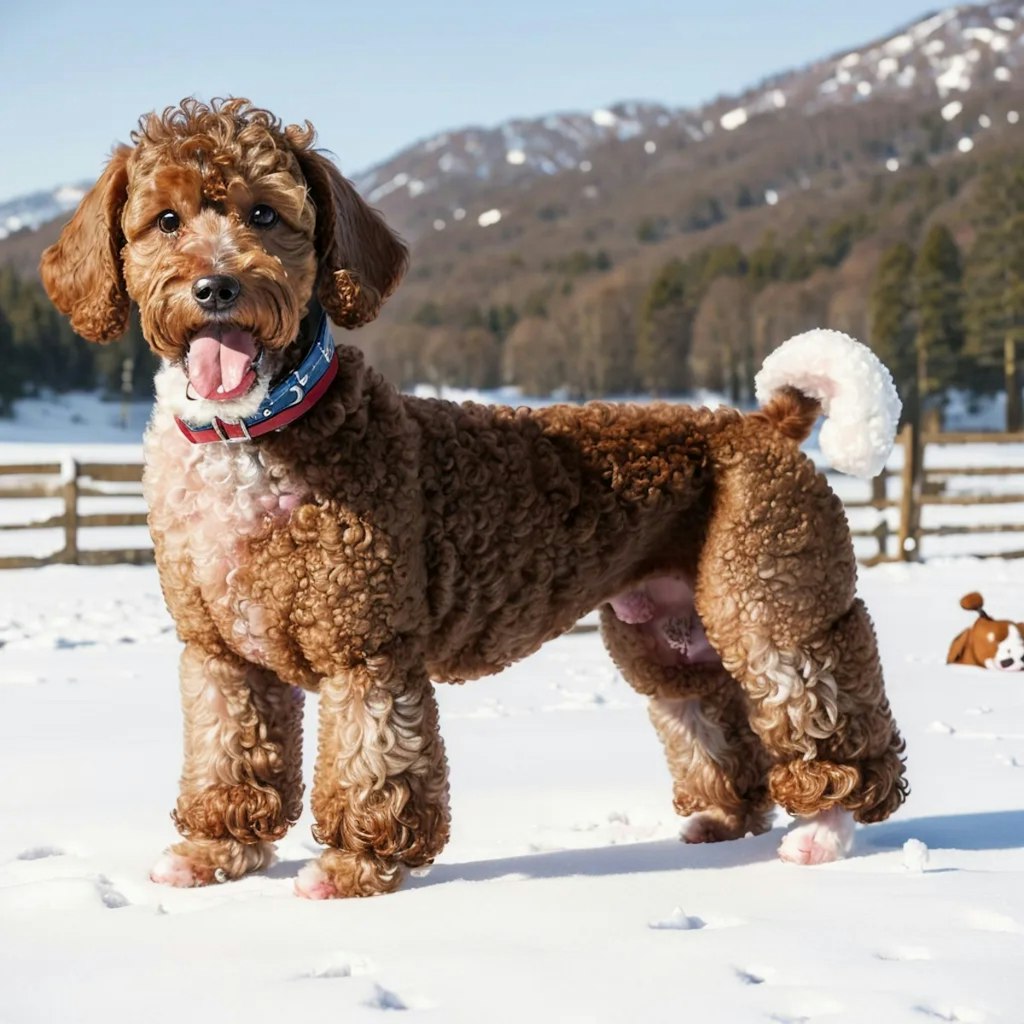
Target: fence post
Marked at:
69, 481
910, 494
879, 495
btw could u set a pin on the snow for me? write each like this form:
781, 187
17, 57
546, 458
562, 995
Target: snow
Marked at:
965, 145
1002, 74
564, 894
892, 164
489, 217
956, 76
650, 146
733, 119
604, 118
515, 156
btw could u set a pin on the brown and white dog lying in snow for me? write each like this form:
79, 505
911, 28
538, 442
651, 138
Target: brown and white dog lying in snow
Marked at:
316, 530
989, 643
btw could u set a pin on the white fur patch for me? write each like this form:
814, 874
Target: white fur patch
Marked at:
856, 392
820, 840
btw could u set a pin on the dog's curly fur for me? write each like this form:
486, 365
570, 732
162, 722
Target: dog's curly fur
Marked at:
383, 541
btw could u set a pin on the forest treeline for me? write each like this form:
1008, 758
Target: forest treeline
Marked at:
942, 305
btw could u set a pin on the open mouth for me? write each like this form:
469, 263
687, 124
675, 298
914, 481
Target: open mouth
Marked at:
221, 362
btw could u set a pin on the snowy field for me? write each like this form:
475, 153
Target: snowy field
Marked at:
564, 895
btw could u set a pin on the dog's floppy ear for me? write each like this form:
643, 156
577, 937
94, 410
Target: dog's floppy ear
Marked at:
958, 648
82, 271
361, 260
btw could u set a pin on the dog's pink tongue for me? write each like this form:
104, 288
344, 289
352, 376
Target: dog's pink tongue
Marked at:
219, 363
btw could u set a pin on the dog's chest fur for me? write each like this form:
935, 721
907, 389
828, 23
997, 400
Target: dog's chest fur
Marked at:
206, 505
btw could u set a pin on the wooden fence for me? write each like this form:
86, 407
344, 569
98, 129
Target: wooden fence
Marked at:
69, 481
920, 486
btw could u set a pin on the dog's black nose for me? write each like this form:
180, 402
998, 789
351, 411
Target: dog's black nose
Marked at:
1006, 663
218, 291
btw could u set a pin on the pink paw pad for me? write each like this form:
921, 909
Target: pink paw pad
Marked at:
173, 869
311, 883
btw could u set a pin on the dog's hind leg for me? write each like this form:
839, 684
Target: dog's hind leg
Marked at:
775, 591
241, 786
380, 794
719, 767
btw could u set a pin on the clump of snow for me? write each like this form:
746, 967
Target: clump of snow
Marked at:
489, 217
1002, 74
771, 197
1005, 24
604, 118
458, 213
965, 145
515, 156
586, 166
863, 88
985, 121
677, 921
1012, 116
650, 146
915, 856
439, 224
892, 164
951, 110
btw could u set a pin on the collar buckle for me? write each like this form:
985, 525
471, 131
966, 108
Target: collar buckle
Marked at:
220, 427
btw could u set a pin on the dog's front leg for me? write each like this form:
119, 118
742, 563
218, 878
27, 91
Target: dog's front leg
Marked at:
380, 794
241, 786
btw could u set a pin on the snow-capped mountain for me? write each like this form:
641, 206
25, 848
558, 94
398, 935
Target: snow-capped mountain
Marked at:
520, 148
36, 209
937, 60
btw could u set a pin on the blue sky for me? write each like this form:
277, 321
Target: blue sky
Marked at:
375, 76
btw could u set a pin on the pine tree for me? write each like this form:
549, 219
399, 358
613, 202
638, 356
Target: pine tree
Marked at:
994, 283
666, 322
938, 290
10, 384
892, 323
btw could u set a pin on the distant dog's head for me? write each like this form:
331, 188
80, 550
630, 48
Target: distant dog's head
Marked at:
220, 223
989, 643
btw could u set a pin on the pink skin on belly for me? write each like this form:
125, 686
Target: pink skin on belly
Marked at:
662, 609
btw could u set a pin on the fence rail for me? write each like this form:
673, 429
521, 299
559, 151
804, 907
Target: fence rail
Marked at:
920, 487
69, 481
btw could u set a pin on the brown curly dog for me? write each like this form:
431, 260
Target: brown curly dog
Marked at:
317, 530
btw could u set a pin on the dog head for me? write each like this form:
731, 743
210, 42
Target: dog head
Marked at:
221, 224
989, 643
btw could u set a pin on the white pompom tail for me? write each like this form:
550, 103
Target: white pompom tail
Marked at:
856, 391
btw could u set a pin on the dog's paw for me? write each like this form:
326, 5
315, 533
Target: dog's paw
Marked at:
313, 883
174, 869
819, 840
705, 828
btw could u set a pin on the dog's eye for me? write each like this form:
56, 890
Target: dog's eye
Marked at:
168, 222
263, 216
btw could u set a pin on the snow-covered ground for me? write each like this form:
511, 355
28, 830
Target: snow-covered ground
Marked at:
564, 895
